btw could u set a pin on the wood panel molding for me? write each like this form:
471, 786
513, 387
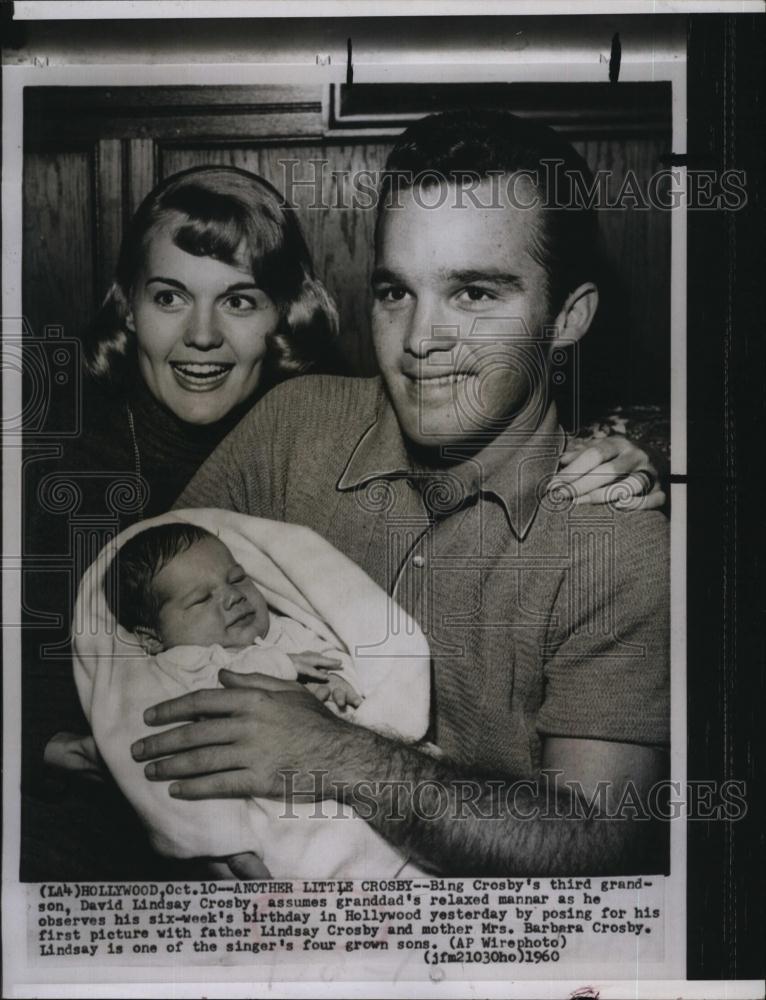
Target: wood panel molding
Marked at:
54, 115
248, 114
581, 110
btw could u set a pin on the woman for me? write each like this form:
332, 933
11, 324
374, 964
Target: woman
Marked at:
214, 301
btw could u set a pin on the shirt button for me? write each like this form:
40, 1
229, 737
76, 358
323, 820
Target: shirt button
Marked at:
418, 561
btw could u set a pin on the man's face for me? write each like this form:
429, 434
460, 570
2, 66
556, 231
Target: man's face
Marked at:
205, 597
459, 309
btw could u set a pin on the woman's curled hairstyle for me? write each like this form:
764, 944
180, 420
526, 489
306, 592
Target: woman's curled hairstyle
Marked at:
212, 212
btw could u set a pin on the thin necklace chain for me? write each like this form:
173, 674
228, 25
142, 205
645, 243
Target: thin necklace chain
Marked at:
136, 455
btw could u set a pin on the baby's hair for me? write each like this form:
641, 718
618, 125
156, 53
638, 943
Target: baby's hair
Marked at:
130, 578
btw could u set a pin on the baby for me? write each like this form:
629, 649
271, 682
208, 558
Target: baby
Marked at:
179, 589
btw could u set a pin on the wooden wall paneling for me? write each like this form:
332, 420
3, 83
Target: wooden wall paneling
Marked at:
263, 159
58, 228
340, 237
140, 173
110, 194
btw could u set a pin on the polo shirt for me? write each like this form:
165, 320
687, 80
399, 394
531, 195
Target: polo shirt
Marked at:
543, 618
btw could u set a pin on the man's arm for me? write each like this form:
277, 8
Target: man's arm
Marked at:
605, 708
559, 824
446, 817
243, 473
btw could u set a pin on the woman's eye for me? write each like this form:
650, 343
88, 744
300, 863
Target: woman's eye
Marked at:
167, 298
240, 303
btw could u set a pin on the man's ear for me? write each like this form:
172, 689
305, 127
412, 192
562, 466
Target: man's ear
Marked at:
576, 314
150, 641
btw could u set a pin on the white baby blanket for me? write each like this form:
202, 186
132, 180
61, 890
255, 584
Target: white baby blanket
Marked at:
304, 577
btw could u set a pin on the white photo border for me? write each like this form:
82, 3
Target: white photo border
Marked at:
29, 980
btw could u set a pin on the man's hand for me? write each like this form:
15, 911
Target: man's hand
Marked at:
238, 741
247, 866
444, 817
609, 470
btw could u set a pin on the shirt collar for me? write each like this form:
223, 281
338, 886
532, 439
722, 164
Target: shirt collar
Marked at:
380, 452
513, 469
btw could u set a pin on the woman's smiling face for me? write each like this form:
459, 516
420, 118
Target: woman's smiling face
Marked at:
201, 327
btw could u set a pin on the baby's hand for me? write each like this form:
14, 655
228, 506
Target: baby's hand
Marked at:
337, 690
325, 686
313, 666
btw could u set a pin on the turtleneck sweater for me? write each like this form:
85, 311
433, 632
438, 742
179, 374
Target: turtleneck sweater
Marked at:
131, 431
170, 450
72, 505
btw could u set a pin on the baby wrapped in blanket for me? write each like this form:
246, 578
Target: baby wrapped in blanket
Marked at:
226, 589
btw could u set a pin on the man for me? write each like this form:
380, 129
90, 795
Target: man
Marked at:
547, 621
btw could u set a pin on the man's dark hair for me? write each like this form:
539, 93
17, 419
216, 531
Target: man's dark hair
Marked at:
455, 146
129, 580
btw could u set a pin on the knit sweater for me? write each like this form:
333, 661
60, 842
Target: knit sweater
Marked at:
543, 620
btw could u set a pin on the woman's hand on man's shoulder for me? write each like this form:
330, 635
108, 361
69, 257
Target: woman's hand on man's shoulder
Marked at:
611, 469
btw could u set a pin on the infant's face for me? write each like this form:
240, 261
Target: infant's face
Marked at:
206, 597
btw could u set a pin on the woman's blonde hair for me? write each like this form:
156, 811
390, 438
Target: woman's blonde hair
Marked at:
211, 212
